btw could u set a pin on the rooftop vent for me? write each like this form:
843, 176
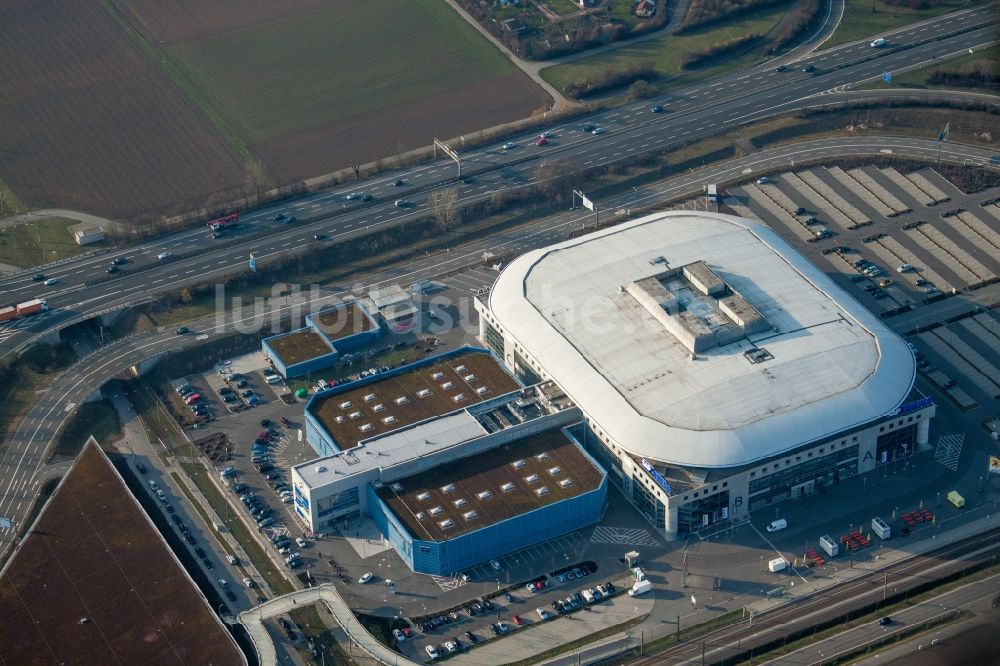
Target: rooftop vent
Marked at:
459, 368
355, 415
481, 390
459, 398
469, 378
437, 375
555, 470
543, 455
339, 419
402, 400
517, 464
436, 511
531, 478
345, 405
460, 502
423, 393
507, 487
423, 496
470, 515
421, 515
397, 487
365, 427
484, 495
447, 523
369, 397
544, 490
389, 419
450, 488
566, 483
447, 385
378, 408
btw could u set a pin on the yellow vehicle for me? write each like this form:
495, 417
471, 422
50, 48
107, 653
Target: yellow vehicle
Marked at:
956, 499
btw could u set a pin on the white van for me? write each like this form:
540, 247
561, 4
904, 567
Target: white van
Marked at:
878, 42
777, 525
904, 268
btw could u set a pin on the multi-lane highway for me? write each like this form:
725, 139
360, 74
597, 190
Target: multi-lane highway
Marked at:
22, 465
84, 288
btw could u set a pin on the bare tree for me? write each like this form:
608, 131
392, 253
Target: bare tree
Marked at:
356, 167
444, 206
254, 181
553, 178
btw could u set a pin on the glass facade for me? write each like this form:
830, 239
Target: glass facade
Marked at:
811, 474
704, 512
494, 340
647, 504
895, 444
338, 502
523, 371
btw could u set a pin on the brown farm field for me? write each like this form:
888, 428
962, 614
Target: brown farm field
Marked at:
320, 87
91, 123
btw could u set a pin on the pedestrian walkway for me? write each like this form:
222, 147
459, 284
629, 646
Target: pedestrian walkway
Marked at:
253, 621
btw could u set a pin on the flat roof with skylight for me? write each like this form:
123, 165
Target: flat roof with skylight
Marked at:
701, 339
471, 493
395, 402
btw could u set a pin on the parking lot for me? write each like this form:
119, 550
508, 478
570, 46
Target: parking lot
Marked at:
894, 240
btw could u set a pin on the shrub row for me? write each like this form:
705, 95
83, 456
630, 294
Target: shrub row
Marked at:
718, 50
611, 79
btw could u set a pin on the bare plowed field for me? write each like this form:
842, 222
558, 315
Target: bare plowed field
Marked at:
91, 123
313, 92
397, 129
166, 22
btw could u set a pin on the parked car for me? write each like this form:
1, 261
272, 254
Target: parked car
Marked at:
366, 578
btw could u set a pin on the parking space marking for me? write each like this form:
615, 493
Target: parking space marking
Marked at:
623, 536
949, 449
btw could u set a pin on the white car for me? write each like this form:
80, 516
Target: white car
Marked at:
432, 652
366, 578
302, 542
545, 135
400, 203
495, 564
50, 282
509, 145
542, 613
223, 582
878, 42
399, 635
597, 130
248, 582
762, 180
232, 560
450, 646
352, 196
166, 254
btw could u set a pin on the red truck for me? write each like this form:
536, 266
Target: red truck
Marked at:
24, 309
225, 222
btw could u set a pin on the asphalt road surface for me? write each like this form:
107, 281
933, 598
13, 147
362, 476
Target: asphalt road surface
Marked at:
22, 465
84, 288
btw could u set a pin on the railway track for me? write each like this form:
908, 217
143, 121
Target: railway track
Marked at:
740, 640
